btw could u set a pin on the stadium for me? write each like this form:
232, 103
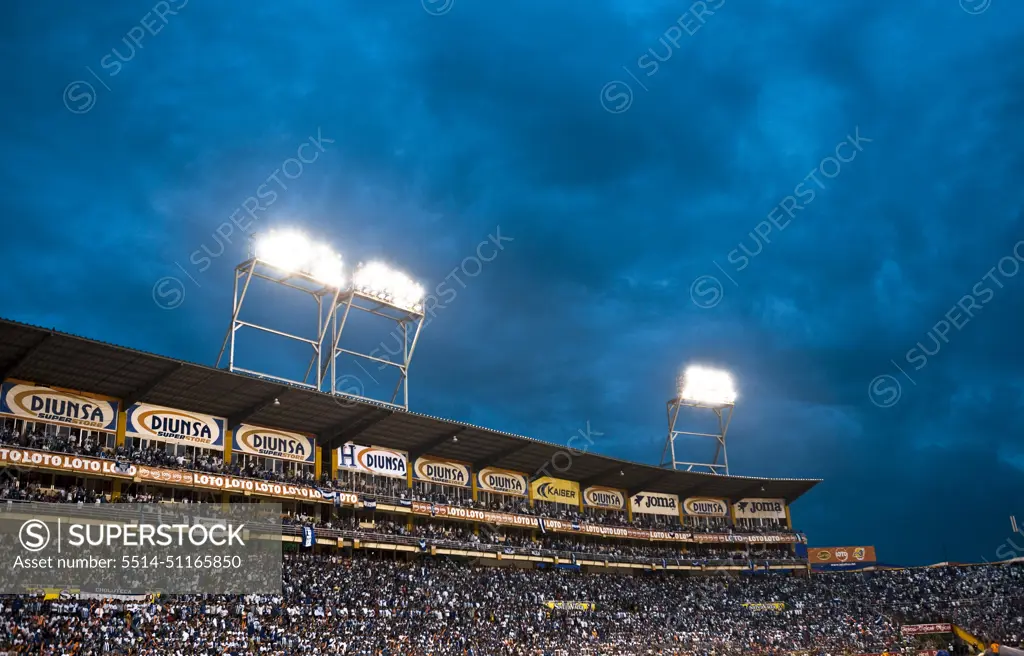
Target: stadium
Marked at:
417, 328
392, 532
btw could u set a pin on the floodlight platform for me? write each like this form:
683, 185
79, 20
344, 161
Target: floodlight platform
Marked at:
719, 463
334, 308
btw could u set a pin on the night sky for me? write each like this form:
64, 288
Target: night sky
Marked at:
822, 197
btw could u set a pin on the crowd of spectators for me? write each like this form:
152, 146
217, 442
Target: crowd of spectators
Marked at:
383, 489
369, 605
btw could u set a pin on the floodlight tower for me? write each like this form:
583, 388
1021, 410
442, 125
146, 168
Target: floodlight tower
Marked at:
703, 389
289, 259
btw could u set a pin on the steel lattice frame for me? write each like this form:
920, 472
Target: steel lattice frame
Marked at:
321, 372
719, 464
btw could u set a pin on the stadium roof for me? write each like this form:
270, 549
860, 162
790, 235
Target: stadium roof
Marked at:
48, 357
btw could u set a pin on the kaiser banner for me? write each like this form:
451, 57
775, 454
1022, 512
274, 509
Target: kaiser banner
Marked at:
760, 509
556, 490
151, 422
654, 503
705, 507
45, 404
502, 481
373, 460
273, 443
597, 496
445, 472
840, 555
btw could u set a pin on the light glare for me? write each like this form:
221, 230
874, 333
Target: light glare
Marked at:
709, 386
380, 281
293, 252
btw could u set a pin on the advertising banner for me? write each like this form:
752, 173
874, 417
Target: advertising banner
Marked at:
706, 507
598, 496
840, 555
763, 607
159, 476
45, 404
373, 460
556, 490
760, 509
273, 443
445, 472
151, 422
571, 605
502, 481
654, 503
922, 629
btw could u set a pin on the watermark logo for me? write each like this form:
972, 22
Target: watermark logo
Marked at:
168, 293
616, 97
34, 535
437, 7
955, 320
782, 214
885, 391
706, 292
975, 7
79, 97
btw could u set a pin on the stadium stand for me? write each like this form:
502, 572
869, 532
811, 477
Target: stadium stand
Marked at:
423, 544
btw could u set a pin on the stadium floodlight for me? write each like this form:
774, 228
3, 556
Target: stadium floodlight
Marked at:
290, 259
708, 389
293, 252
705, 386
378, 280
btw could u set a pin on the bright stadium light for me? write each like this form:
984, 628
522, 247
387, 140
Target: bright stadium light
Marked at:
378, 280
704, 386
293, 252
325, 266
291, 260
700, 390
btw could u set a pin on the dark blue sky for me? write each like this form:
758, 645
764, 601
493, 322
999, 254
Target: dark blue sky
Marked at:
800, 192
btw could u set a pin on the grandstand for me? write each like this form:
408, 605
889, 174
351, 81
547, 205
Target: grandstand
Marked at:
410, 534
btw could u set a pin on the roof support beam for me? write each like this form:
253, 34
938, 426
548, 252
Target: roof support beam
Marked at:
12, 368
335, 437
497, 456
432, 444
141, 391
243, 415
610, 471
649, 485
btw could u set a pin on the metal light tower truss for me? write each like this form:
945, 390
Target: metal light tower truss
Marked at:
719, 464
407, 326
334, 308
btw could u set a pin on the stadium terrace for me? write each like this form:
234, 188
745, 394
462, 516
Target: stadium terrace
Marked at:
612, 558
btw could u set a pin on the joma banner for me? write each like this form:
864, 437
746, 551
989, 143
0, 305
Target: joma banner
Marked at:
760, 509
654, 503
